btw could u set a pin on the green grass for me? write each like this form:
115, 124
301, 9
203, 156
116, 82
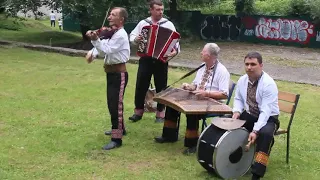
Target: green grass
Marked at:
34, 31
53, 115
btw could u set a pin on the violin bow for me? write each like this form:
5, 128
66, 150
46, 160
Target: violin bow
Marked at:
107, 12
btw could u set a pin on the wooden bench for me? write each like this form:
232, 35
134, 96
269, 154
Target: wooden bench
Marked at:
287, 103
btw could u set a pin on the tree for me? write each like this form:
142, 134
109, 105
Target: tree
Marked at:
14, 6
244, 7
2, 6
91, 13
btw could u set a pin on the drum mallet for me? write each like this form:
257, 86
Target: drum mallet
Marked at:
248, 146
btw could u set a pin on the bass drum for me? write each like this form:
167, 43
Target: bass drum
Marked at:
223, 151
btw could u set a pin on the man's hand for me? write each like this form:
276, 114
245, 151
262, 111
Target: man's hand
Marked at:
252, 137
187, 86
236, 115
138, 38
92, 35
173, 53
200, 93
89, 56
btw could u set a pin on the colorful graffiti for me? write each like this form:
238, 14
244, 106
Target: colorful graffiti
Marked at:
221, 28
285, 30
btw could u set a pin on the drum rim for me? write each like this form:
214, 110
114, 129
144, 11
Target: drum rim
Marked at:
217, 145
199, 139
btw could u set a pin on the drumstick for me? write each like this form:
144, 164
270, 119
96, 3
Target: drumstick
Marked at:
248, 146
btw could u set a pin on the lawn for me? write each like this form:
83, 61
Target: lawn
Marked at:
53, 116
36, 32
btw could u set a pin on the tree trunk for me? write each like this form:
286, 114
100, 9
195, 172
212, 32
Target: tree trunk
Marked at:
173, 13
84, 30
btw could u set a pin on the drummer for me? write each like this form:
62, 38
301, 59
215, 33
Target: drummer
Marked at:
256, 101
212, 80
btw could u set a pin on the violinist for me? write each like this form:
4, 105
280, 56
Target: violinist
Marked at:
116, 51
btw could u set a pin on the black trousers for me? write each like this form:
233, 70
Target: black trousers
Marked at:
116, 84
53, 22
147, 67
264, 141
171, 127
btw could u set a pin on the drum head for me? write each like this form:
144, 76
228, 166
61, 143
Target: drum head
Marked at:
230, 158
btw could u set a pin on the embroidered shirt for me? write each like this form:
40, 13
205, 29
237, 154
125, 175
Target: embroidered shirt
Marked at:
266, 97
114, 50
220, 81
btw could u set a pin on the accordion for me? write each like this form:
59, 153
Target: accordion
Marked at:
157, 42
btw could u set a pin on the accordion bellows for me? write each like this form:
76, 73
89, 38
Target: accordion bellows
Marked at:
157, 42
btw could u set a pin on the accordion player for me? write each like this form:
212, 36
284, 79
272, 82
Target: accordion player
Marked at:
157, 42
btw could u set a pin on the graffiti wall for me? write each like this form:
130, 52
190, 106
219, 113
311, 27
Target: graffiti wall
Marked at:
220, 27
280, 30
262, 29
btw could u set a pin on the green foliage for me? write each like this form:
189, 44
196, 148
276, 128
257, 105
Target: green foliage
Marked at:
299, 8
244, 6
91, 13
14, 24
272, 7
315, 9
14, 6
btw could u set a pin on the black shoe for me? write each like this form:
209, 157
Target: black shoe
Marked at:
163, 140
108, 133
111, 145
255, 177
190, 150
159, 120
135, 118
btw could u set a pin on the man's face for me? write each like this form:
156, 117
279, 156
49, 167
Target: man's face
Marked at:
252, 67
157, 12
205, 55
114, 18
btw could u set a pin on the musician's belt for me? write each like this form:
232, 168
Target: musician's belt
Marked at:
115, 67
275, 117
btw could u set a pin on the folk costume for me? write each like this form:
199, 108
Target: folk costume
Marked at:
116, 52
149, 66
257, 102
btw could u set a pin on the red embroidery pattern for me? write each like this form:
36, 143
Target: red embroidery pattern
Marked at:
262, 158
117, 133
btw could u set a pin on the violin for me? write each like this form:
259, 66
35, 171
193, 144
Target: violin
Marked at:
105, 32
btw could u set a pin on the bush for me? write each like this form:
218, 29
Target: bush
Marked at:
315, 9
299, 8
272, 7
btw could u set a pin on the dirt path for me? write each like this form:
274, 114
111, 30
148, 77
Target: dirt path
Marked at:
294, 64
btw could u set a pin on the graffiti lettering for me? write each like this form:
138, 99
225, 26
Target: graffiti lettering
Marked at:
249, 32
318, 36
221, 27
285, 30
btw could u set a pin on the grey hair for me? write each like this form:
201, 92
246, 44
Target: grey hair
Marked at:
213, 49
